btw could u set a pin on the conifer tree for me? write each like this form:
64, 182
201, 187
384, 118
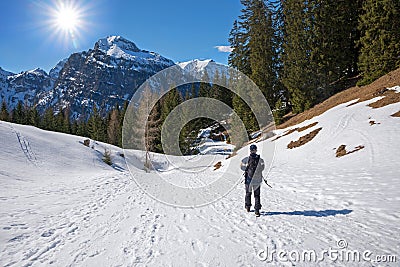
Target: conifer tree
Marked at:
66, 123
241, 108
4, 115
193, 90
74, 127
333, 28
262, 50
153, 129
34, 117
94, 125
113, 128
205, 86
47, 122
58, 121
121, 122
81, 130
19, 114
239, 57
380, 38
255, 53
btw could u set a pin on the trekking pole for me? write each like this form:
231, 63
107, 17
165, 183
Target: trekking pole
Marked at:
265, 181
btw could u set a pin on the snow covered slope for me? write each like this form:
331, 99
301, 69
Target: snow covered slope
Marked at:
61, 205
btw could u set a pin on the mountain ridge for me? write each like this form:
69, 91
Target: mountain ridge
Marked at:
106, 75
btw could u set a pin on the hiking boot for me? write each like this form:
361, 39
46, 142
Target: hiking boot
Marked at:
257, 213
248, 209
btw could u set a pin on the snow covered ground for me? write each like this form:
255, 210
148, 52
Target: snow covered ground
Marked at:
60, 205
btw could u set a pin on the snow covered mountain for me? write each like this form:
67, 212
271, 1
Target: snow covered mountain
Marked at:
61, 205
197, 67
105, 75
25, 86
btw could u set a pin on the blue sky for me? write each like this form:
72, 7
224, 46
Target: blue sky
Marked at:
177, 29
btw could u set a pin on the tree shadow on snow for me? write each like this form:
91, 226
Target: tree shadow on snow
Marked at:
312, 213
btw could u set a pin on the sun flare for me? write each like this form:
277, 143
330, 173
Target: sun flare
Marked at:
67, 18
67, 21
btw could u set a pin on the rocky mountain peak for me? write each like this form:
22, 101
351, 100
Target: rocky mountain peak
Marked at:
116, 46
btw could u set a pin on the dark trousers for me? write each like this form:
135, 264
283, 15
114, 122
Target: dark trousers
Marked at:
247, 201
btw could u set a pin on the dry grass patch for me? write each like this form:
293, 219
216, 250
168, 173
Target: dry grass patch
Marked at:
341, 151
397, 114
217, 165
363, 93
304, 139
296, 129
391, 97
373, 123
289, 131
307, 127
234, 153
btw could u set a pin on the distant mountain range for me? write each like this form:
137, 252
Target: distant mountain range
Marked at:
106, 75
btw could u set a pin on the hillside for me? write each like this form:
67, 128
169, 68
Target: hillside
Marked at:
363, 93
61, 205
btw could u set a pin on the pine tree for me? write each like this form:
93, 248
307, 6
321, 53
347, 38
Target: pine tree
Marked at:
82, 128
168, 103
121, 122
262, 49
113, 128
19, 114
103, 130
193, 90
74, 127
4, 115
130, 131
94, 125
66, 123
47, 122
215, 91
319, 48
255, 42
298, 75
59, 121
333, 38
380, 38
239, 57
241, 108
225, 94
34, 117
205, 85
153, 130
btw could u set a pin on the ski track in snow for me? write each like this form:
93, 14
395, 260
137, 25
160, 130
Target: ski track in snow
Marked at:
99, 217
25, 147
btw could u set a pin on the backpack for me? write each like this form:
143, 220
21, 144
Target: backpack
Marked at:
254, 169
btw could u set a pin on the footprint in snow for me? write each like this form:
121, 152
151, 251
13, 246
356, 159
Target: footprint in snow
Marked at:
18, 238
48, 233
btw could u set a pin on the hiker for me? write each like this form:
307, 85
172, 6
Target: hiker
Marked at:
253, 179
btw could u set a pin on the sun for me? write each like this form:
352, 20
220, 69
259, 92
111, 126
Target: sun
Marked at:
67, 18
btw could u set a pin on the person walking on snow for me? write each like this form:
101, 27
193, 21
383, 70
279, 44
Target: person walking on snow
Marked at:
253, 179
